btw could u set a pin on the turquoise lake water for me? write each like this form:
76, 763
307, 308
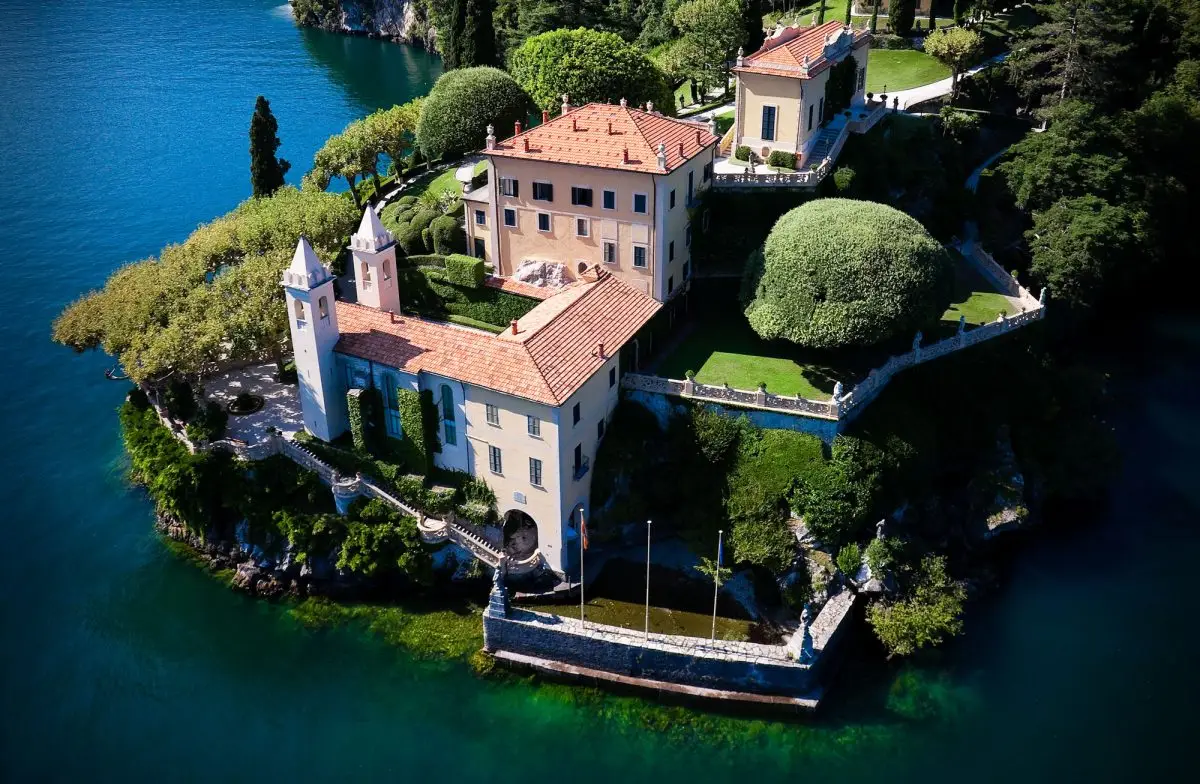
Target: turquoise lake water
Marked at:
122, 126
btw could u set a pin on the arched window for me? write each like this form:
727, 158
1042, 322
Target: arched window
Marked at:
387, 269
451, 427
366, 276
299, 308
323, 308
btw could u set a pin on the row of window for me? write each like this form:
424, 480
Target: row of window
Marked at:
580, 197
496, 459
769, 112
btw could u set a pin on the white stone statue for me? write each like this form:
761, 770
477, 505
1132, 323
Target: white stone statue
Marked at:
916, 346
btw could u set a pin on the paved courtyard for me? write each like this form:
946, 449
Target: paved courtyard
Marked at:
282, 402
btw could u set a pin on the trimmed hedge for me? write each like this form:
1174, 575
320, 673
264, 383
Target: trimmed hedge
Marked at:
358, 422
838, 272
462, 103
464, 270
742, 153
447, 235
425, 260
782, 159
412, 422
428, 291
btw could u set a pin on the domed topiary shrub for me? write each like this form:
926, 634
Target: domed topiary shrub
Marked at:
839, 272
456, 114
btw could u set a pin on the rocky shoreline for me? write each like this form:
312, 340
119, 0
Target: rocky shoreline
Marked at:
400, 21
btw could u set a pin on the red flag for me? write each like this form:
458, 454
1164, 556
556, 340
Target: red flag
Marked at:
583, 529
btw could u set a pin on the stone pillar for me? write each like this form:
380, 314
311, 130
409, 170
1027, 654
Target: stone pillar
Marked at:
345, 490
498, 597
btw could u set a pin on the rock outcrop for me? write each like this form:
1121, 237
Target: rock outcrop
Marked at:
403, 21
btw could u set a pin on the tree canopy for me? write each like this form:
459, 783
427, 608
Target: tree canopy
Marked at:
266, 170
901, 15
588, 65
471, 37
712, 31
216, 296
456, 114
955, 47
839, 272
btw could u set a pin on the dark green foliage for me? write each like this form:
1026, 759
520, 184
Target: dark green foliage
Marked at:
587, 65
849, 559
849, 7
415, 448
358, 420
316, 13
782, 159
843, 179
208, 424
1078, 245
429, 292
836, 272
266, 171
874, 16
761, 537
447, 235
138, 399
901, 14
752, 22
742, 152
180, 400
717, 435
471, 38
881, 554
463, 102
379, 539
839, 87
464, 271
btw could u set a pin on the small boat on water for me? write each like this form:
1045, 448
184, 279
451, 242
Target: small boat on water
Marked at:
116, 374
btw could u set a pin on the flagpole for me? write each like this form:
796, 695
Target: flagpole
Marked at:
647, 579
717, 583
582, 621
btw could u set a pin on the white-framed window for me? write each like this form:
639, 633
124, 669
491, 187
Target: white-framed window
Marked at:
391, 404
609, 200
535, 472
691, 184
582, 227
533, 426
387, 269
640, 203
581, 197
544, 222
365, 269
810, 115
493, 414
323, 308
672, 205
708, 171
543, 191
768, 123
687, 235
510, 216
610, 253
509, 187
575, 415
612, 377
480, 218
639, 256
495, 459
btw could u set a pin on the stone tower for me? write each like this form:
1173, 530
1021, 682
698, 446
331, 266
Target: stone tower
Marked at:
374, 251
312, 319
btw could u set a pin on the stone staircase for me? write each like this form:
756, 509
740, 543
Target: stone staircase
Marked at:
823, 145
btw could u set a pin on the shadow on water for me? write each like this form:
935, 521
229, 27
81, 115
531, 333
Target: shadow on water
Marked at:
372, 71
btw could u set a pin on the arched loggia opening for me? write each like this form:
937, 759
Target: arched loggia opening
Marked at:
520, 535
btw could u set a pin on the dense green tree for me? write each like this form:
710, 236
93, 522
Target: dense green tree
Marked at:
929, 612
849, 10
955, 47
1078, 245
1078, 51
266, 170
394, 131
901, 15
874, 16
711, 35
471, 38
753, 32
455, 116
932, 16
588, 66
839, 272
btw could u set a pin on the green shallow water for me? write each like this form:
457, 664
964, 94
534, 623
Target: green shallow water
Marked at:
123, 125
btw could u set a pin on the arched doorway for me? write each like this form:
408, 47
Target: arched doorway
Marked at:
520, 535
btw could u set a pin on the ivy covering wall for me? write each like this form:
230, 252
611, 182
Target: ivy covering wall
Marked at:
413, 446
839, 88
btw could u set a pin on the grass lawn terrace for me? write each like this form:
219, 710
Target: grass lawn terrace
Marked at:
976, 297
889, 70
628, 615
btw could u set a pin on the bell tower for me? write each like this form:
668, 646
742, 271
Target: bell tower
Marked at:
374, 251
312, 320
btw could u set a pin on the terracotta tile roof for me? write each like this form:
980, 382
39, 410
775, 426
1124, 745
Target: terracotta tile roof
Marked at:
599, 134
785, 54
513, 286
547, 361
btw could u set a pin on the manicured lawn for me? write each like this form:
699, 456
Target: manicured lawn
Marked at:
976, 298
628, 615
723, 349
724, 120
889, 70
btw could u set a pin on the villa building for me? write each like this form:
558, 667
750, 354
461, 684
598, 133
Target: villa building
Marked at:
791, 93
601, 185
524, 410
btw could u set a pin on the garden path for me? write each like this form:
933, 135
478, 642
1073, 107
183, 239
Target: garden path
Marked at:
281, 408
927, 92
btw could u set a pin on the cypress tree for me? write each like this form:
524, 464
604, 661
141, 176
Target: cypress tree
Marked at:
266, 171
849, 5
752, 23
874, 16
932, 18
471, 38
901, 14
821, 12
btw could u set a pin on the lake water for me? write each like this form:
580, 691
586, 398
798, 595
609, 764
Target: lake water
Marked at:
123, 125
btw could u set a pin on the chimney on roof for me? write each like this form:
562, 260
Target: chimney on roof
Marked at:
741, 56
681, 144
600, 350
566, 104
491, 137
545, 116
574, 124
623, 104
514, 326
662, 156
625, 154
526, 140
516, 127
610, 127
698, 137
